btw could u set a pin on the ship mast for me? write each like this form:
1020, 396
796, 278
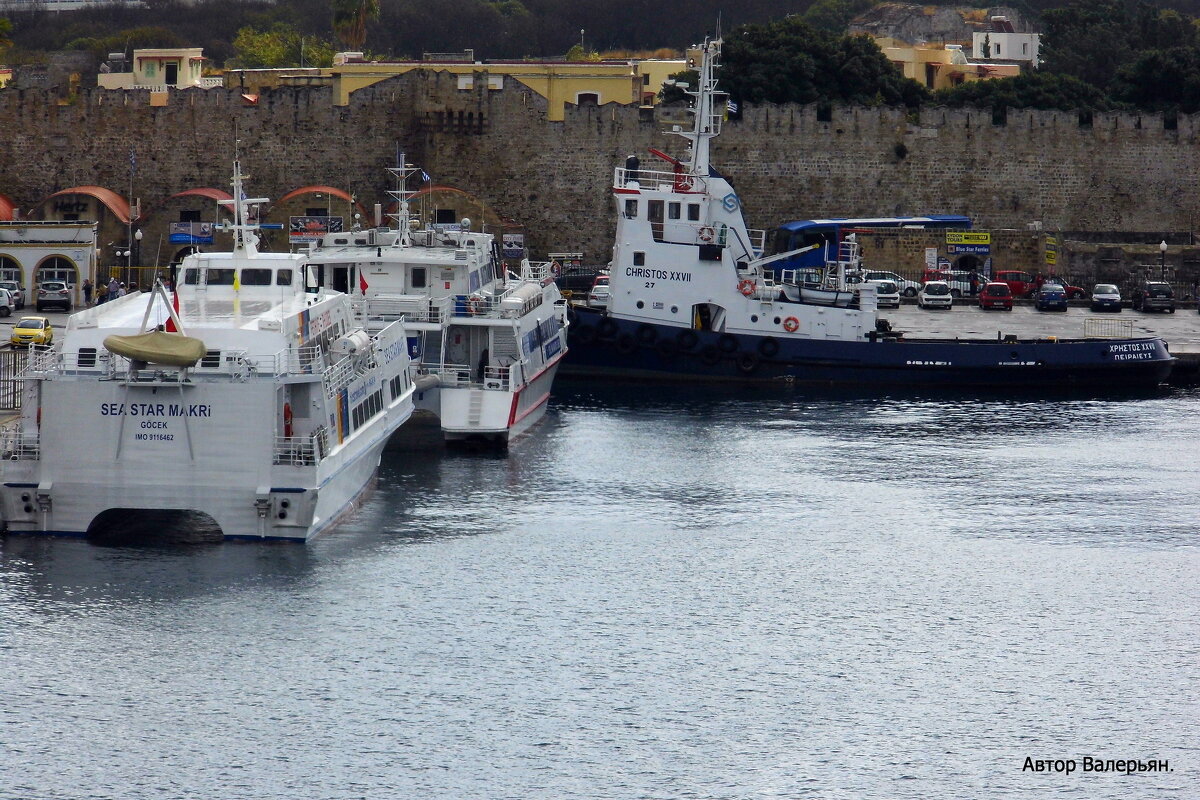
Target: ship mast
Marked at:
707, 111
403, 216
245, 240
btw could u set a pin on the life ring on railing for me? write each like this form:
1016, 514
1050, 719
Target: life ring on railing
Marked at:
746, 287
475, 305
555, 269
706, 234
791, 324
287, 420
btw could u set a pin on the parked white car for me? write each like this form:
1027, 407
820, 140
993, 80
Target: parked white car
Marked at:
904, 285
6, 303
598, 296
887, 293
935, 294
18, 294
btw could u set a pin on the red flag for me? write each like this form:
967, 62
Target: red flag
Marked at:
175, 303
362, 283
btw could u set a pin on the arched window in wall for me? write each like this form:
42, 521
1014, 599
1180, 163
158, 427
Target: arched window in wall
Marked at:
57, 268
10, 270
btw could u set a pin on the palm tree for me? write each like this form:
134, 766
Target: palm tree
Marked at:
350, 20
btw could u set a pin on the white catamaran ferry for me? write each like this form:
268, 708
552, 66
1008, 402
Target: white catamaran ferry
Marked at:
246, 396
488, 341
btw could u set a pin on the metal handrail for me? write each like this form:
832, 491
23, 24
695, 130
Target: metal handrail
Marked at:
17, 445
301, 451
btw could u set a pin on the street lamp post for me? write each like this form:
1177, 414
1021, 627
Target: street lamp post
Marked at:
1162, 259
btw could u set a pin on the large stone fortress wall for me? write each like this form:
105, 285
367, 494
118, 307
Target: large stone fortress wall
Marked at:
1108, 173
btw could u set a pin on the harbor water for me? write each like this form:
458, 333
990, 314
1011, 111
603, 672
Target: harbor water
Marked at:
668, 592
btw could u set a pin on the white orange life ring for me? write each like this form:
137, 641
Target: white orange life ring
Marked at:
746, 287
287, 420
706, 234
791, 324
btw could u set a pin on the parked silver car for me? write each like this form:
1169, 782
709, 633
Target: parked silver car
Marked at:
54, 294
16, 292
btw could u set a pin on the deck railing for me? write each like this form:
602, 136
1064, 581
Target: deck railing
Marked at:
462, 376
1095, 328
301, 451
17, 445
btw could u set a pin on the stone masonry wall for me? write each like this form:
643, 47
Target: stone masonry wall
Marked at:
1110, 173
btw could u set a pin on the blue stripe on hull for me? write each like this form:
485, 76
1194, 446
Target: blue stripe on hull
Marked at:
606, 345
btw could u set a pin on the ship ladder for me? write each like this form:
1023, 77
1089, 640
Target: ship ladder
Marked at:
475, 408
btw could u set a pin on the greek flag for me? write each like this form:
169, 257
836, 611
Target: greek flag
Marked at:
424, 176
731, 107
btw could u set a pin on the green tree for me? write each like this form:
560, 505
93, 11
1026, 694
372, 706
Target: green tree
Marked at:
835, 15
790, 61
350, 18
1161, 80
6, 27
1033, 90
280, 46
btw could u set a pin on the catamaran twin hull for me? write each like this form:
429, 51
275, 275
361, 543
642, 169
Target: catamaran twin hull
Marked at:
195, 446
603, 344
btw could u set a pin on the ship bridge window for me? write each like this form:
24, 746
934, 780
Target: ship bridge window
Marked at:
694, 212
284, 277
639, 258
417, 278
631, 209
256, 277
674, 210
219, 277
190, 277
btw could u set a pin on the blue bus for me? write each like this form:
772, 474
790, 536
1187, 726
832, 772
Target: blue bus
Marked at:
827, 233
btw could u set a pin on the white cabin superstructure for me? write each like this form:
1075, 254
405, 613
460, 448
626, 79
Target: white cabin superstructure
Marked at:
273, 429
487, 341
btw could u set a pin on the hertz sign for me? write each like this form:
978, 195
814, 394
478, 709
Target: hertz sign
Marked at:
968, 237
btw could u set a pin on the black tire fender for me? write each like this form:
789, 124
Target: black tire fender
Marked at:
646, 334
584, 334
607, 328
747, 362
687, 339
728, 343
710, 355
667, 349
768, 347
626, 344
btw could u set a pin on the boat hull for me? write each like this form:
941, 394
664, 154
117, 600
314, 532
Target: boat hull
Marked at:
206, 453
501, 415
604, 345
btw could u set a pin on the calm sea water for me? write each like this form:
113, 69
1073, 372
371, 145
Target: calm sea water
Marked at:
660, 593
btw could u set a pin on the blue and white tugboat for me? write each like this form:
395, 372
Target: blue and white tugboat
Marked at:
693, 296
487, 341
245, 396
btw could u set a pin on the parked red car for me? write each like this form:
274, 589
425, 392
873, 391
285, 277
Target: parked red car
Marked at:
1021, 284
996, 295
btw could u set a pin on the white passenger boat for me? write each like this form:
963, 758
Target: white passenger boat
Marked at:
489, 341
244, 397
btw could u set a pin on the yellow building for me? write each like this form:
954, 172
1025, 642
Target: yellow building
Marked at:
559, 82
154, 69
940, 66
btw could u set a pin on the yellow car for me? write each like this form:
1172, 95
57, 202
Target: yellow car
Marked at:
32, 330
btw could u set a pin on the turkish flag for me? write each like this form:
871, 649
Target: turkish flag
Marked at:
362, 283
